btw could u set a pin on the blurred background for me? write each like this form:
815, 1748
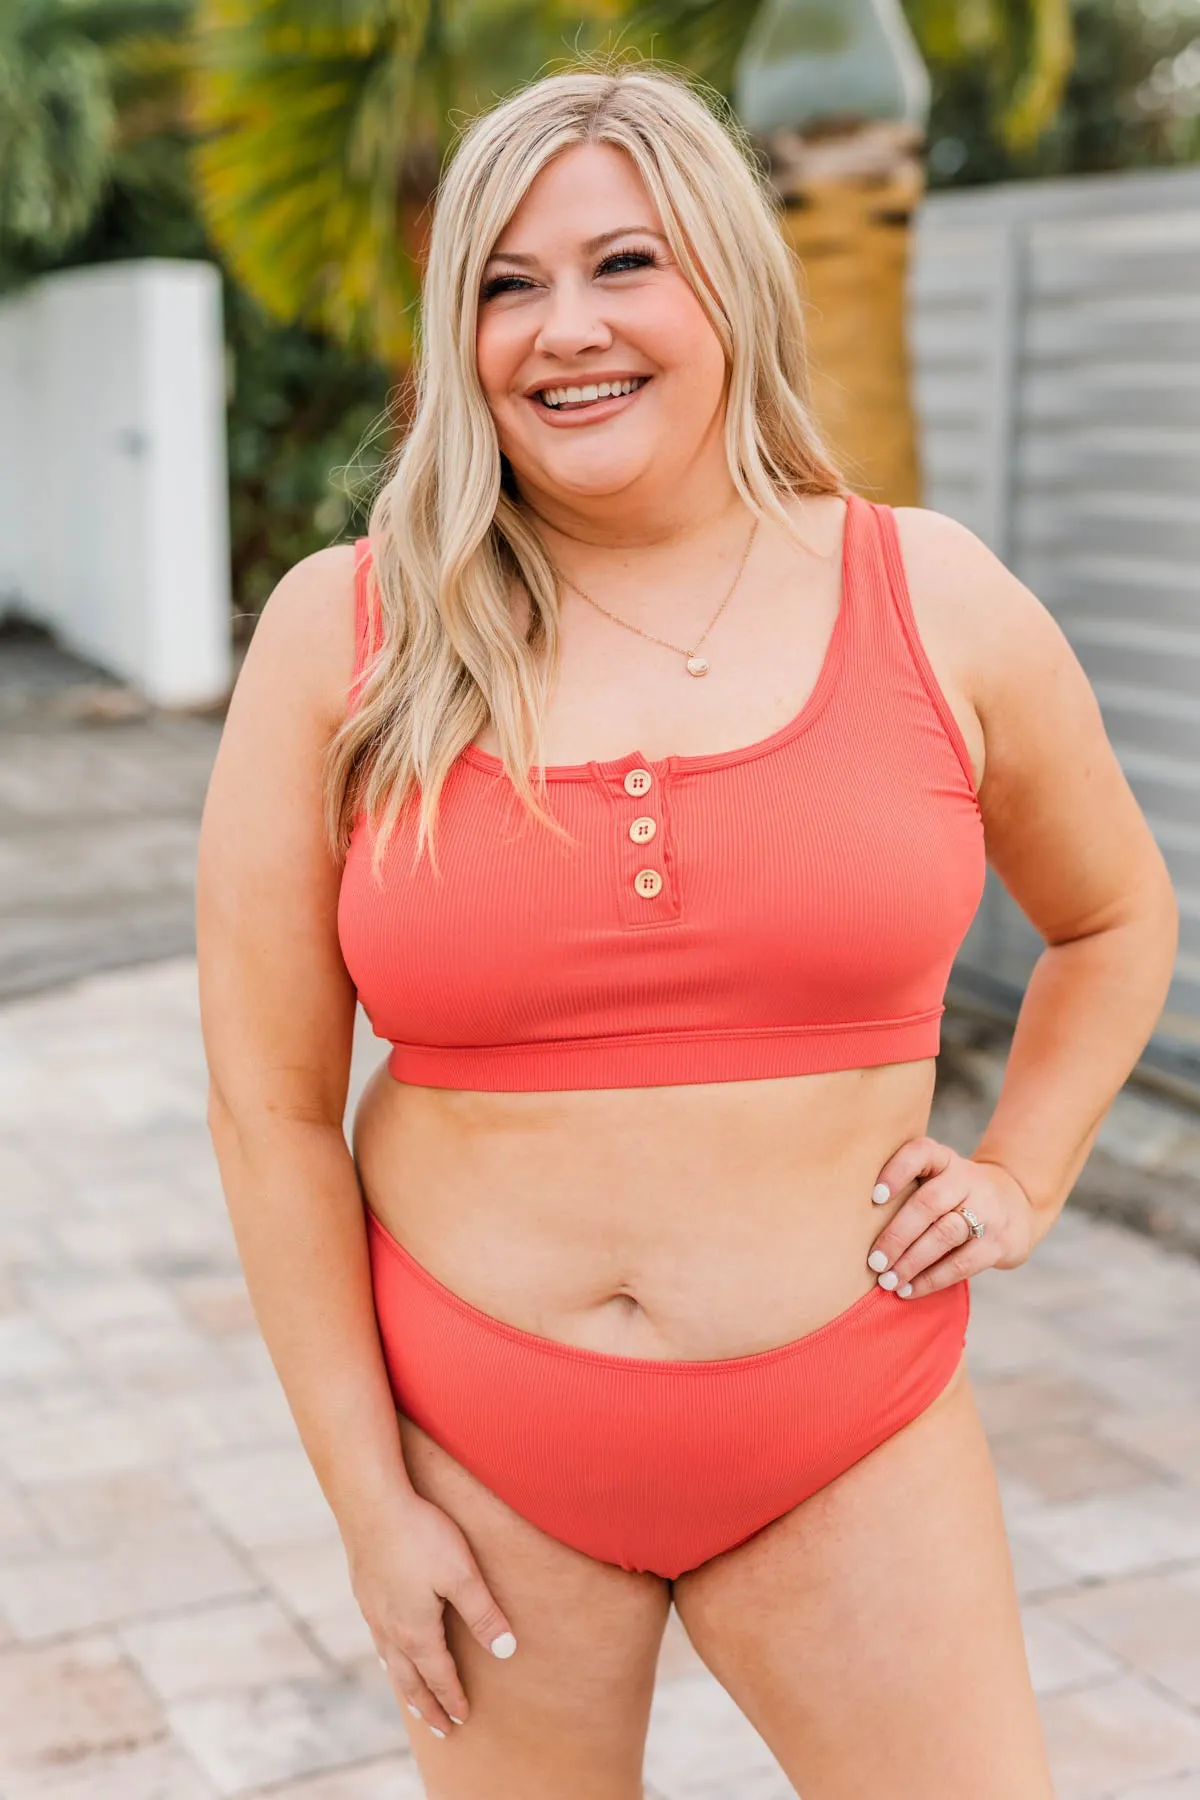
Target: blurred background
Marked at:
213, 216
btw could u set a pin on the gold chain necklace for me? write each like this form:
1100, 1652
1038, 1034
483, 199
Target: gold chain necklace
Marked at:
694, 663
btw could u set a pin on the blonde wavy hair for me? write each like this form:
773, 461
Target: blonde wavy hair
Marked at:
448, 533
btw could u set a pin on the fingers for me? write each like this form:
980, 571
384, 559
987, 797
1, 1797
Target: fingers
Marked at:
472, 1601
946, 1253
426, 1679
414, 1694
421, 1666
918, 1160
928, 1244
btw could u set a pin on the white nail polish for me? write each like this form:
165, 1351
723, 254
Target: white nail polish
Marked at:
889, 1280
453, 1720
436, 1732
903, 1292
881, 1193
504, 1645
877, 1260
383, 1662
414, 1710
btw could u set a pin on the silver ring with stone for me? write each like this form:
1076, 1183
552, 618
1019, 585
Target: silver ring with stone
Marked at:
975, 1225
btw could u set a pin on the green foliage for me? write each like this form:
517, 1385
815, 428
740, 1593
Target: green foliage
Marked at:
74, 76
1016, 54
1131, 100
307, 433
1019, 51
306, 418
323, 126
57, 125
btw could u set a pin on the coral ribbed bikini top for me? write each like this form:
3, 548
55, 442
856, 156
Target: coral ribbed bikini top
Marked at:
786, 908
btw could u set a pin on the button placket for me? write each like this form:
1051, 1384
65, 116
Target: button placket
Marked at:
648, 893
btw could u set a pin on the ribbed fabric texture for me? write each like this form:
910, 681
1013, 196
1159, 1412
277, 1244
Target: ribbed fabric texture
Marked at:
656, 1465
808, 893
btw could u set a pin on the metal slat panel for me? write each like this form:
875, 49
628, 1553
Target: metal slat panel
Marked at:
1156, 530
1114, 256
1117, 589
953, 454
1103, 395
1083, 363
951, 397
949, 337
1148, 718
1142, 460
1115, 327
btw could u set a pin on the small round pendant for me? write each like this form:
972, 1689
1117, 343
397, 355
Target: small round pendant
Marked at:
696, 665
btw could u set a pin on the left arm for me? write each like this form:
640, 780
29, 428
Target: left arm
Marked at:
1069, 842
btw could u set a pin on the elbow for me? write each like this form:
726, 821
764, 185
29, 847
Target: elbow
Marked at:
1160, 910
1152, 924
220, 1118
263, 1117
1168, 923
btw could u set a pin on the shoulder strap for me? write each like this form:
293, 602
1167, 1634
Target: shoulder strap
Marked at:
888, 538
367, 632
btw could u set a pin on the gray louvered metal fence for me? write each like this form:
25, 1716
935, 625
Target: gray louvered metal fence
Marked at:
1056, 333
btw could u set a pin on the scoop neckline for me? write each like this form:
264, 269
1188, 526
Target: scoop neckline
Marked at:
818, 694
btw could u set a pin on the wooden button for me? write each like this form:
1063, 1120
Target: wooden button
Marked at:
648, 883
638, 781
642, 830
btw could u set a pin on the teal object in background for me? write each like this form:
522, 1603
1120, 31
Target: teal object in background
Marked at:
808, 61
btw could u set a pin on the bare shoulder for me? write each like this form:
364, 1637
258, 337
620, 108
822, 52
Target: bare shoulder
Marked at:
1064, 831
1000, 643
303, 643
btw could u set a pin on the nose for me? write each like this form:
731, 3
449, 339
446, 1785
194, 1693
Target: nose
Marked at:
571, 320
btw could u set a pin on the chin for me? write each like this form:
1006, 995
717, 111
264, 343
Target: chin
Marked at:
595, 477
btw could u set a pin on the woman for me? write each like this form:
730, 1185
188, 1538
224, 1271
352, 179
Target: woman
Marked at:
639, 781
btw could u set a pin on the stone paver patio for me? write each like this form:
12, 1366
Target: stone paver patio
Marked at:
100, 802
175, 1620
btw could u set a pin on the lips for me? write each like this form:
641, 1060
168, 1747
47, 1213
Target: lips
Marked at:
575, 396
577, 414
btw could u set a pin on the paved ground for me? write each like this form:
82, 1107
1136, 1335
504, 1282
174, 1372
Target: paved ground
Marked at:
175, 1621
99, 803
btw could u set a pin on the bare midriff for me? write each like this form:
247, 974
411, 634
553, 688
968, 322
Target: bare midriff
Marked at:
673, 1222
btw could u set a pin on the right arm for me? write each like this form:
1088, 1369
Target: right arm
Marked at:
277, 1009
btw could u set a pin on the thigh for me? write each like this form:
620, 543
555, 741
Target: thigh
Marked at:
872, 1636
568, 1714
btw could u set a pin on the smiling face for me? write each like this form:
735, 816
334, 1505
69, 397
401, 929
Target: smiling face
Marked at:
582, 292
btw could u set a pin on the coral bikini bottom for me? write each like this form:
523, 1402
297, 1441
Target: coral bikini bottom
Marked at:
656, 1465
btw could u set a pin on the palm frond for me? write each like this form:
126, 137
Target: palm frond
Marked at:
1042, 81
323, 124
77, 78
57, 126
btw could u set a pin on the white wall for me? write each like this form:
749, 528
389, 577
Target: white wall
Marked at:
113, 488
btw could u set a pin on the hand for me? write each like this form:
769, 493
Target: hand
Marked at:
927, 1244
402, 1575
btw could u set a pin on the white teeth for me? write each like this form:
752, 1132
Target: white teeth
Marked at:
602, 390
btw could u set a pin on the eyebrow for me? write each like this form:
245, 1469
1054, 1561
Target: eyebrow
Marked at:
605, 237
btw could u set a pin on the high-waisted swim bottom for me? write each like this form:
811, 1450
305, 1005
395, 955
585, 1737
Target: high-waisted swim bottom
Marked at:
656, 1465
